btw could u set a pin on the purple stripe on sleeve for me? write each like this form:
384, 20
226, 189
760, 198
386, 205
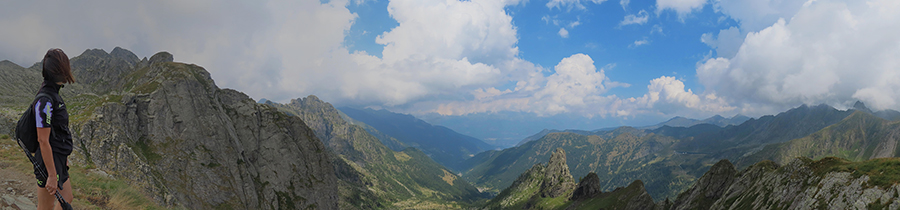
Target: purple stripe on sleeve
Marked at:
37, 115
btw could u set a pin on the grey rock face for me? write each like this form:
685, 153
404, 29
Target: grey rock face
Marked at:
636, 197
161, 57
796, 185
101, 70
709, 188
17, 202
125, 55
557, 179
189, 143
587, 188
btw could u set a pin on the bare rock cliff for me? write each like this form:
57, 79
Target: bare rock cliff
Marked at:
167, 128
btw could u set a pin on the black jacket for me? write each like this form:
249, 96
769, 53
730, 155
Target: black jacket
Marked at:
60, 136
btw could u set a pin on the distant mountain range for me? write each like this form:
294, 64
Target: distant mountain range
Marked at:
440, 143
716, 120
669, 159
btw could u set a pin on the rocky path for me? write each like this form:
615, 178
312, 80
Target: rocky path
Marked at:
16, 188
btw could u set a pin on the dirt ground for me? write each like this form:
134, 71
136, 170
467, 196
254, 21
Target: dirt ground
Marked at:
15, 184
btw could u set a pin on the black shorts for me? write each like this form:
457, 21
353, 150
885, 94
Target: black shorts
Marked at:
62, 169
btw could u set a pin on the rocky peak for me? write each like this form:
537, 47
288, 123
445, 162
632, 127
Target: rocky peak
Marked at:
709, 188
125, 55
587, 188
557, 179
161, 57
96, 53
859, 105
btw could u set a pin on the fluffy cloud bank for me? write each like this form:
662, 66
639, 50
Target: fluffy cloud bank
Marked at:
577, 86
830, 51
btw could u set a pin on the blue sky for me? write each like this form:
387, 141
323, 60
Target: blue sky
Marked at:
553, 63
672, 48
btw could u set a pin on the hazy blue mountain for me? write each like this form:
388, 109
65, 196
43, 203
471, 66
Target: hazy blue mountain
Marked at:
506, 129
892, 115
717, 120
440, 143
674, 122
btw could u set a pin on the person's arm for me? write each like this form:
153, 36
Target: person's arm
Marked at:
47, 155
43, 112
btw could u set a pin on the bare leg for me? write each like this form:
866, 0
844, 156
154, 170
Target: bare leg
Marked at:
45, 199
66, 194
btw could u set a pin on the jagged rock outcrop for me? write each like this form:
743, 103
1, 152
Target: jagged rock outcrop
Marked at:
709, 188
102, 71
169, 130
557, 180
125, 55
632, 197
829, 183
587, 188
529, 190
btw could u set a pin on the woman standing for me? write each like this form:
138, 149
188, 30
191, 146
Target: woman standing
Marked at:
54, 138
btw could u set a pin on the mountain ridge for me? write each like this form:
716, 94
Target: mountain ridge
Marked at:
444, 145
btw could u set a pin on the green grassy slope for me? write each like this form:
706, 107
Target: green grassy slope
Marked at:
397, 179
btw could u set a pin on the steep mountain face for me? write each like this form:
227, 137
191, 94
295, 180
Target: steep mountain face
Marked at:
708, 189
861, 136
167, 128
372, 175
734, 141
445, 146
549, 186
829, 183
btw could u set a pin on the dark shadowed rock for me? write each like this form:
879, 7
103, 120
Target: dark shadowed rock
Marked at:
587, 188
709, 188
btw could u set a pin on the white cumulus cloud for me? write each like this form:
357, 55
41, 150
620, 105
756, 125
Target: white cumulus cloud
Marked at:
563, 33
639, 19
831, 51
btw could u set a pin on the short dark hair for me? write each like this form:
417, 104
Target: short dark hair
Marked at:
56, 67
